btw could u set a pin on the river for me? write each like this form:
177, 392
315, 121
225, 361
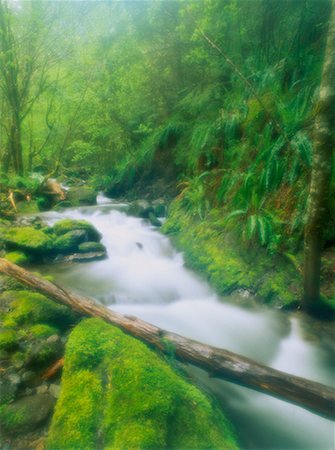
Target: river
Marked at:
145, 276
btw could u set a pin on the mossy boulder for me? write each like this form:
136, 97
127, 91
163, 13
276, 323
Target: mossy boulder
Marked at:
118, 392
69, 241
81, 196
28, 308
67, 225
26, 238
8, 340
91, 247
17, 257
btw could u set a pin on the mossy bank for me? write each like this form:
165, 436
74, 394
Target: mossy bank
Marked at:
230, 263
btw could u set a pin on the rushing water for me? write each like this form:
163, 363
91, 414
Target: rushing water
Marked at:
145, 277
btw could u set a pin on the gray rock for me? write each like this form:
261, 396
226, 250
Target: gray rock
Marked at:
28, 378
44, 353
139, 208
81, 196
54, 390
42, 389
53, 338
84, 257
26, 414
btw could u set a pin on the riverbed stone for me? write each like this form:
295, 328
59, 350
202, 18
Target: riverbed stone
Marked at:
83, 257
26, 414
68, 242
81, 196
67, 225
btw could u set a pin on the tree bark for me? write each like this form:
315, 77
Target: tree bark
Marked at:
323, 143
217, 362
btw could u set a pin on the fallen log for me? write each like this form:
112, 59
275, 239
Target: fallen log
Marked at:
219, 363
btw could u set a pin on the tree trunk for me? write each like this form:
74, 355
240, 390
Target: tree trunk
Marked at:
217, 362
323, 142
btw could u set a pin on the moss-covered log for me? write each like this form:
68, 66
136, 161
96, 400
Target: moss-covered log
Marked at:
219, 363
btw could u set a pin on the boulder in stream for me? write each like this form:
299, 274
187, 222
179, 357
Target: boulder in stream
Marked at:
81, 196
143, 401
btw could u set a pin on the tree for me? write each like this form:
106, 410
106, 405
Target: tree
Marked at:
23, 72
323, 143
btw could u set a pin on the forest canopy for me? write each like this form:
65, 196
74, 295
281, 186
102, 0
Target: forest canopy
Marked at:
215, 97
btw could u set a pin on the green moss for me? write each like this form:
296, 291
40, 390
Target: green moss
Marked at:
27, 238
91, 247
42, 330
67, 225
69, 241
11, 420
116, 393
228, 263
29, 308
18, 257
8, 339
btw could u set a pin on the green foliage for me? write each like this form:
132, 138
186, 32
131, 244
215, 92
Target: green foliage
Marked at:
117, 391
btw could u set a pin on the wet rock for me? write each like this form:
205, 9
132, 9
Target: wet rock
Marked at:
8, 390
54, 390
42, 389
160, 208
29, 378
69, 241
44, 353
91, 247
83, 257
54, 338
140, 208
81, 196
67, 225
26, 414
154, 221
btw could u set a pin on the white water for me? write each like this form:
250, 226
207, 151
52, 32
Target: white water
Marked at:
145, 277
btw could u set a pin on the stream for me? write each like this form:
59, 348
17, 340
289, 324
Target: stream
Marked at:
145, 276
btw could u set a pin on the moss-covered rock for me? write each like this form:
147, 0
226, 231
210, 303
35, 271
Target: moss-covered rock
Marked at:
41, 330
69, 241
26, 238
117, 392
17, 257
28, 308
91, 247
8, 339
81, 196
66, 225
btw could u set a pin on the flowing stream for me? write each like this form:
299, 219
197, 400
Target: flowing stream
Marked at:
144, 276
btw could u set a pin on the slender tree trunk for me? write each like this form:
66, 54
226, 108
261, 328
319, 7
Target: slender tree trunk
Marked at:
323, 143
16, 145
